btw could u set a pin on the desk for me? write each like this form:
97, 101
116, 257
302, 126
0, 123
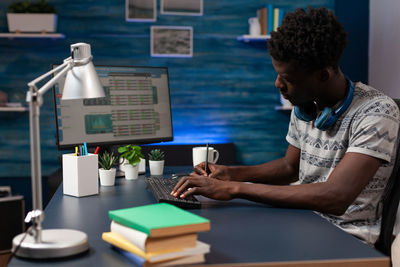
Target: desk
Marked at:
241, 231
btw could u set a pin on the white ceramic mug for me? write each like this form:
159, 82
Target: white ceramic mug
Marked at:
199, 155
254, 26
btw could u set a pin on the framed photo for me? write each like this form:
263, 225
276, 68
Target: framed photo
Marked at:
171, 41
182, 7
140, 10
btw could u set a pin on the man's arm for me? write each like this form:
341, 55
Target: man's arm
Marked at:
334, 196
281, 171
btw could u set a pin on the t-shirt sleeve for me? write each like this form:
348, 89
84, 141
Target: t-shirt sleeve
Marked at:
374, 129
293, 134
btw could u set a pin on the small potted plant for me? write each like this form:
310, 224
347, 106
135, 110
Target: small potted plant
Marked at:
31, 16
132, 154
156, 162
106, 171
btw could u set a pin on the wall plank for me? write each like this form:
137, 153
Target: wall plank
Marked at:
225, 93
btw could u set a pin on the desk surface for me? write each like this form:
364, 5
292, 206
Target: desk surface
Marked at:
241, 231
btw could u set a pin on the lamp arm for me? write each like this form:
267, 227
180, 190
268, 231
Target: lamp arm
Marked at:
66, 66
34, 98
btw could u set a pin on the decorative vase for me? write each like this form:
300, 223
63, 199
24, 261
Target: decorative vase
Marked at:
131, 171
32, 22
107, 177
156, 167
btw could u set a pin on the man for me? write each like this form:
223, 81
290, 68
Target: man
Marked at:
342, 136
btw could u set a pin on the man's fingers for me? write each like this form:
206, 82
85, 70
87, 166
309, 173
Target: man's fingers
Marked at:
187, 187
179, 184
192, 191
188, 192
182, 187
199, 169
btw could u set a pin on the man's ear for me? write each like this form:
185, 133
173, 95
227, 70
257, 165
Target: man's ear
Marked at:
325, 74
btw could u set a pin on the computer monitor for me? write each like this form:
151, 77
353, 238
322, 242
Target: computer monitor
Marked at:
136, 110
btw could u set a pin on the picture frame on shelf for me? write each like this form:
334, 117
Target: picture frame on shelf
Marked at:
171, 41
181, 7
140, 10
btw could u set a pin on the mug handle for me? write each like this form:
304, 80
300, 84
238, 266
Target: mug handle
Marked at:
216, 156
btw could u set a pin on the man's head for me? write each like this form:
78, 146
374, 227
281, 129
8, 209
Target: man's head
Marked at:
305, 51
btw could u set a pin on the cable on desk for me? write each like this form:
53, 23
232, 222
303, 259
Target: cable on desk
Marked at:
14, 251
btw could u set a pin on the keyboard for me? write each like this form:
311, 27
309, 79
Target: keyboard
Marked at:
161, 189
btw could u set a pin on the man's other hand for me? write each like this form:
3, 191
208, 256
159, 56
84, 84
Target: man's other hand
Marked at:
220, 172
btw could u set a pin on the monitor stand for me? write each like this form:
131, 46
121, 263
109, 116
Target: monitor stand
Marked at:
120, 173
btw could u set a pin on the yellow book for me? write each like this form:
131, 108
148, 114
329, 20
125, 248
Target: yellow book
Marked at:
276, 18
154, 244
120, 242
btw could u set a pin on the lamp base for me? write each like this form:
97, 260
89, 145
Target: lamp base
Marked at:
55, 243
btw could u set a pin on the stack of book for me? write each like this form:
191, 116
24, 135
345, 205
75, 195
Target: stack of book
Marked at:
270, 18
158, 235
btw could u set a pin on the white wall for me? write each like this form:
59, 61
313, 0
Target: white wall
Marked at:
384, 46
384, 53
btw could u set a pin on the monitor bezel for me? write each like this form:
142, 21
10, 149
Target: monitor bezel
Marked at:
116, 143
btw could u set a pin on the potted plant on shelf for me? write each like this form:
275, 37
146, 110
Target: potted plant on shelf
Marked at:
32, 16
156, 162
106, 171
132, 154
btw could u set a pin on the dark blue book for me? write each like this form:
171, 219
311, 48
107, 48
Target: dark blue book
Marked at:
138, 261
270, 18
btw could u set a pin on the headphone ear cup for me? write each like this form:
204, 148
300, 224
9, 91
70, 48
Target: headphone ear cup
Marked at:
306, 113
324, 121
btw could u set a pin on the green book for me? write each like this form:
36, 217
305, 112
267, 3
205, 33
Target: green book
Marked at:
161, 219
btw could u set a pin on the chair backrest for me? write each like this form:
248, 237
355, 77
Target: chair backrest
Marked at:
12, 212
390, 204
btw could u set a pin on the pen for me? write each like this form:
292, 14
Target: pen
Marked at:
206, 163
97, 150
76, 151
80, 151
84, 145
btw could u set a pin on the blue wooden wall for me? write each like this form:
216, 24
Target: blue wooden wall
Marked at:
225, 93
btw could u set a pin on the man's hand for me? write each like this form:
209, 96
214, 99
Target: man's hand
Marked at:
220, 172
206, 186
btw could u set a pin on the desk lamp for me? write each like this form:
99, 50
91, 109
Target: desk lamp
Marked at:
81, 82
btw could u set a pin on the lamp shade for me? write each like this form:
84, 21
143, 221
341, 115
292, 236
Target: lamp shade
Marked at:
82, 82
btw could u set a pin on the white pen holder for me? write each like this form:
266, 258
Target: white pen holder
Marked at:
80, 176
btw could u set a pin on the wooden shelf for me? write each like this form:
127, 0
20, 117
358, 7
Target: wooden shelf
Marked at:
283, 108
253, 38
32, 35
13, 109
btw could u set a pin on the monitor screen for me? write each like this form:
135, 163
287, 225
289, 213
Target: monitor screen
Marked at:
136, 109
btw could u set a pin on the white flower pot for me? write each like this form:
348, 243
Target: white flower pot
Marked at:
30, 22
142, 165
156, 167
107, 177
131, 172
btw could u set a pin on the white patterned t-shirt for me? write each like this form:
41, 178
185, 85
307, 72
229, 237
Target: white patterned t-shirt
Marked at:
369, 126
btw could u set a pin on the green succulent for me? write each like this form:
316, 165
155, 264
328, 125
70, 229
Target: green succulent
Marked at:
131, 153
107, 160
156, 155
27, 6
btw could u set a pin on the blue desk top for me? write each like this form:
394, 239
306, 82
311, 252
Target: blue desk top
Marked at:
241, 231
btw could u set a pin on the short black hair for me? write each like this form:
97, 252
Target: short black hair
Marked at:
314, 39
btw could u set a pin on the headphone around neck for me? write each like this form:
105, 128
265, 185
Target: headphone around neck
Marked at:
328, 116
